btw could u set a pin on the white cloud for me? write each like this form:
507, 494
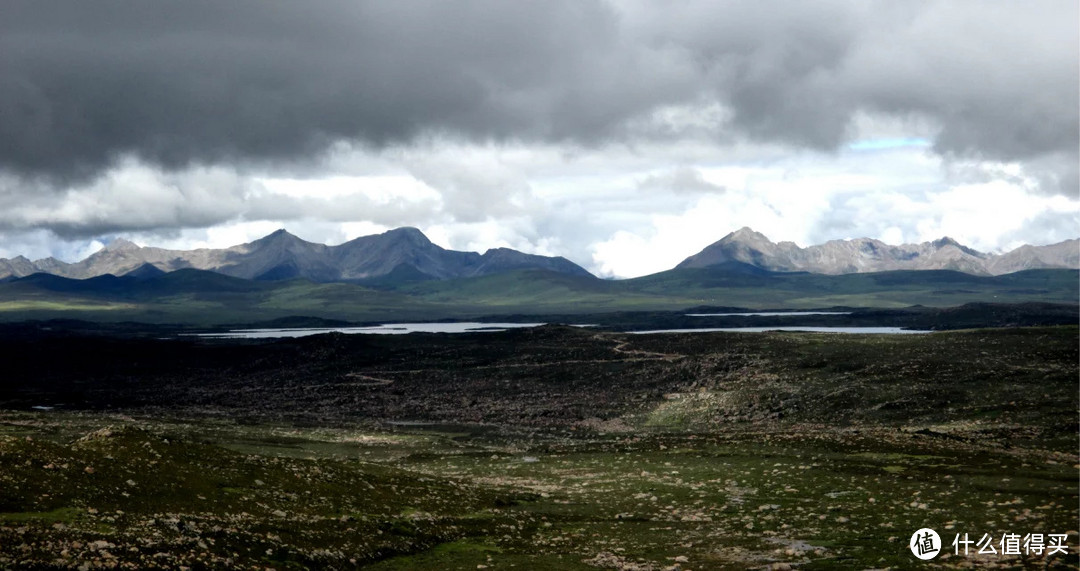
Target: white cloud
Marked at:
897, 194
983, 215
380, 189
617, 210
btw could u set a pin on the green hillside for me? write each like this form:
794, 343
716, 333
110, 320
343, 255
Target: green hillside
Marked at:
206, 298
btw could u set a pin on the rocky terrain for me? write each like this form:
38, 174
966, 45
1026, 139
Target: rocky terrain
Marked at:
558, 378
868, 255
545, 448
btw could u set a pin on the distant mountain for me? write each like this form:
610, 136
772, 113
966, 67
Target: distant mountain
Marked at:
404, 254
1061, 255
868, 255
18, 267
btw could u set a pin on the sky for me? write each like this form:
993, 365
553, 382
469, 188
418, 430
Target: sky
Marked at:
623, 135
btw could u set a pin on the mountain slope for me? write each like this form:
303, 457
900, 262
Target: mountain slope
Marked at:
400, 249
868, 255
1061, 255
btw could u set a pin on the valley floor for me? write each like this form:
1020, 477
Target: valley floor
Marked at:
551, 448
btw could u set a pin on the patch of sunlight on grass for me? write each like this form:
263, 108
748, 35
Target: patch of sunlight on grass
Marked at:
35, 305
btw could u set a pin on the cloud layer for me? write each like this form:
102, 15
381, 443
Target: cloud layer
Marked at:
204, 81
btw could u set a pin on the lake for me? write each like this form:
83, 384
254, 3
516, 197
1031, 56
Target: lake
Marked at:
385, 329
479, 327
768, 313
809, 329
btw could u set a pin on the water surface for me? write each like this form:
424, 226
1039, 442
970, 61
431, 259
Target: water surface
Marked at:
874, 330
479, 327
768, 313
384, 329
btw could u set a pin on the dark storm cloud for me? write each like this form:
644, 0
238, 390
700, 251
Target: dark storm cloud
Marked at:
998, 79
175, 83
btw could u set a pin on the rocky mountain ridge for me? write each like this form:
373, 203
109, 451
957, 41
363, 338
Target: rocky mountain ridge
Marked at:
863, 255
404, 253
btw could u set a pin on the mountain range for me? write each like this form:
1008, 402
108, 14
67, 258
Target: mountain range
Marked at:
865, 255
406, 255
403, 254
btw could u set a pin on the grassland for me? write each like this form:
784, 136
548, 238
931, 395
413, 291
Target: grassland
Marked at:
551, 448
160, 495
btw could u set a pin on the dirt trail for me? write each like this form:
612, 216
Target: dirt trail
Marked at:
633, 356
620, 347
371, 381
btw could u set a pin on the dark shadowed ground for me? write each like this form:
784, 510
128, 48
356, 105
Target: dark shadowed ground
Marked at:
545, 448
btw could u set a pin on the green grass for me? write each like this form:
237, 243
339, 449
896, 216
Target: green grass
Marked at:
122, 483
204, 298
58, 515
741, 500
66, 305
